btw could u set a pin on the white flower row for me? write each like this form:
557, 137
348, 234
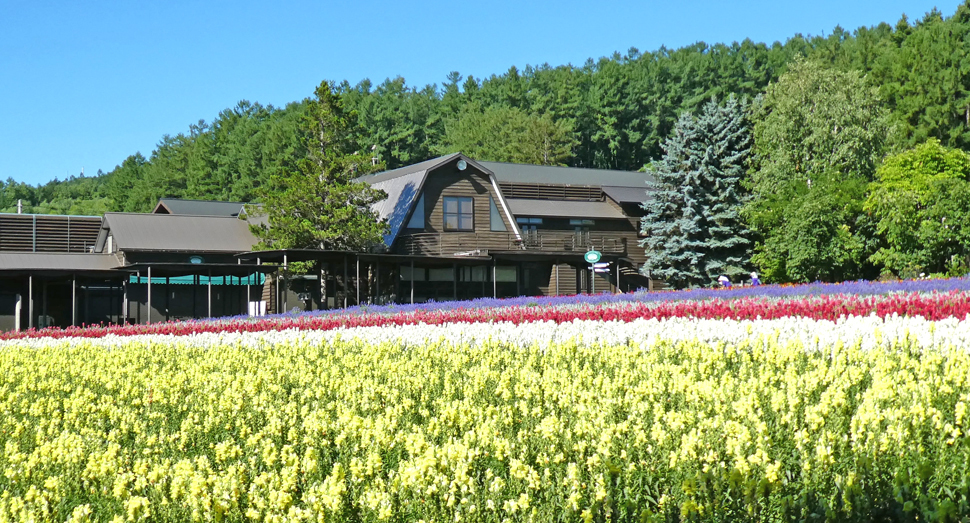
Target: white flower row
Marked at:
868, 331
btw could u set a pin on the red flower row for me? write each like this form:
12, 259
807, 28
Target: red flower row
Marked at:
930, 306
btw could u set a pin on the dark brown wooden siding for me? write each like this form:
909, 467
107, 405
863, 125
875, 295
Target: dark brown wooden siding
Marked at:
565, 277
449, 181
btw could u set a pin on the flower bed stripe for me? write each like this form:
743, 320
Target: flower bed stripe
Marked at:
933, 306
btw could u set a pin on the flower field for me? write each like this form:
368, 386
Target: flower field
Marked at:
834, 407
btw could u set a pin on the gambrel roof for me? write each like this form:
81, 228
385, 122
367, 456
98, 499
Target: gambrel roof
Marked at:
403, 187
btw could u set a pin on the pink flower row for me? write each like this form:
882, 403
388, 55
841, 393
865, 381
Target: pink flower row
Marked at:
933, 306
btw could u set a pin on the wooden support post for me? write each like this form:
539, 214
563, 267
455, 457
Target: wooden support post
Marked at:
616, 288
195, 296
454, 281
124, 300
345, 282
494, 279
377, 283
248, 299
30, 301
209, 299
412, 282
138, 303
357, 281
149, 294
557, 277
74, 300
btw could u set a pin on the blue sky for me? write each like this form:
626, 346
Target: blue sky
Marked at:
85, 84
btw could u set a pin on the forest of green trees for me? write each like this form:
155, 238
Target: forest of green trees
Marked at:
909, 82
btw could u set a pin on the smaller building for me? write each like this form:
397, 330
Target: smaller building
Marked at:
127, 267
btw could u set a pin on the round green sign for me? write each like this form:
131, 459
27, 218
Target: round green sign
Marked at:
592, 256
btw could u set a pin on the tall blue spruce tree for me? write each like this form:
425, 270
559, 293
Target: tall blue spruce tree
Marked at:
692, 226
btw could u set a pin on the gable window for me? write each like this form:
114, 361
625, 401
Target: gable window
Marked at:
417, 217
494, 218
459, 213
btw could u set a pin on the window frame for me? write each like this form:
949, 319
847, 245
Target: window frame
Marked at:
458, 215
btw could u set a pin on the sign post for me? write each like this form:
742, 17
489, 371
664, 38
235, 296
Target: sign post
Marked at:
591, 258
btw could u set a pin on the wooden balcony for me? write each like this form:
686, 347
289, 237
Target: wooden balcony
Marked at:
471, 244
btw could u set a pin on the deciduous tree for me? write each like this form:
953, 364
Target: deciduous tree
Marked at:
919, 201
818, 136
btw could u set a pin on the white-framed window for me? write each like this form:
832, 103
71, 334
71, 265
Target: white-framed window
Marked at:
459, 213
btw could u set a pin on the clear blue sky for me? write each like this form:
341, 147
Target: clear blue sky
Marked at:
85, 84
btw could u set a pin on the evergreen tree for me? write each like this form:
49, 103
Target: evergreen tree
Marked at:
693, 228
319, 205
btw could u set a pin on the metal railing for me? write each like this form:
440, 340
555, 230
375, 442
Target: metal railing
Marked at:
470, 244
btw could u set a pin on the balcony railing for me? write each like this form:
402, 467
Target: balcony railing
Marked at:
470, 244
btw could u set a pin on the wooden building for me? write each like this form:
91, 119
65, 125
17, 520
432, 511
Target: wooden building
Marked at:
462, 229
534, 223
61, 271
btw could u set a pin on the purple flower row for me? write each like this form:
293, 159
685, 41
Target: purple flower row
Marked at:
858, 288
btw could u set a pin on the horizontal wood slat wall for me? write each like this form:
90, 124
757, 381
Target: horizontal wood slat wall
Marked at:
537, 191
48, 233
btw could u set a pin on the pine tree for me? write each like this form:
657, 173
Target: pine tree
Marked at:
693, 227
319, 205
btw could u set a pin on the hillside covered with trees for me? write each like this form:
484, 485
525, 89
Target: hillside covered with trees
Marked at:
825, 112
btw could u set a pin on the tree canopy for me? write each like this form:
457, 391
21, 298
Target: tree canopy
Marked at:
318, 204
920, 200
818, 136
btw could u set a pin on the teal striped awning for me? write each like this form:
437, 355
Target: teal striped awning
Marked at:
255, 279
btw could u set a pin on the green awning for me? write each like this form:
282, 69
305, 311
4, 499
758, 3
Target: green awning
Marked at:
255, 279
